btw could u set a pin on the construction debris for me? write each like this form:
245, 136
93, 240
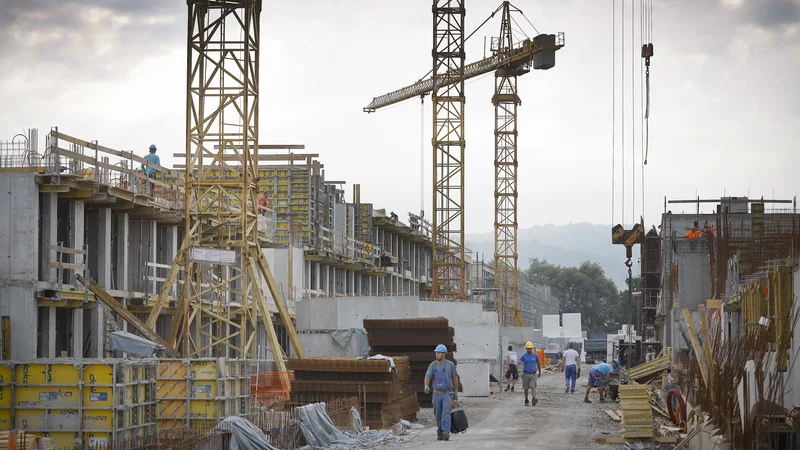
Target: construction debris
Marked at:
414, 339
389, 397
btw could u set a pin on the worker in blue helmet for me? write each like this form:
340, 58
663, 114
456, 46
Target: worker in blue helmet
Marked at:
442, 378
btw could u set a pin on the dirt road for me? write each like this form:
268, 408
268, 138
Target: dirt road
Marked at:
558, 421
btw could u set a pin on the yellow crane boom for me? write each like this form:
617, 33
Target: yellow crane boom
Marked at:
522, 54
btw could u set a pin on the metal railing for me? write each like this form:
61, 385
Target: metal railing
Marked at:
67, 155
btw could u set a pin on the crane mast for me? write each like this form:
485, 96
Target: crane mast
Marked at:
448, 266
221, 304
506, 100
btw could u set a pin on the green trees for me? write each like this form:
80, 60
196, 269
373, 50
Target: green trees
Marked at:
585, 289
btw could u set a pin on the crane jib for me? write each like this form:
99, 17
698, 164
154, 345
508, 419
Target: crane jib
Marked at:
519, 56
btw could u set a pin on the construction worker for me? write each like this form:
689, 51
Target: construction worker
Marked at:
572, 364
531, 371
694, 232
149, 168
512, 373
263, 203
599, 375
442, 373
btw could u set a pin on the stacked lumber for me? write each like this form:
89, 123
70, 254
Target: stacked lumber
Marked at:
637, 417
649, 370
387, 394
25, 441
415, 339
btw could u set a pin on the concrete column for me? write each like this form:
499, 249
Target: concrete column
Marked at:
51, 332
352, 277
122, 253
49, 235
316, 277
152, 226
170, 250
103, 252
76, 233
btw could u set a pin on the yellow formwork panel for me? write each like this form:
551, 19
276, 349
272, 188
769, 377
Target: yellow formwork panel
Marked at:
5, 398
204, 390
81, 399
64, 440
98, 387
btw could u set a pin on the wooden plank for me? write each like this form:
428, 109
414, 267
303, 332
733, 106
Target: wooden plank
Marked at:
68, 266
137, 324
261, 157
61, 188
706, 342
71, 251
622, 440
698, 350
612, 415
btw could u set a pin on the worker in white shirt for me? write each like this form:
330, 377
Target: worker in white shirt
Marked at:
512, 374
572, 365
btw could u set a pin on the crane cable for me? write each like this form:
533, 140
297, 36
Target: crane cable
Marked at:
613, 108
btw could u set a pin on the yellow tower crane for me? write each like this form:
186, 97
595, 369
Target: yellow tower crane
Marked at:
220, 265
446, 84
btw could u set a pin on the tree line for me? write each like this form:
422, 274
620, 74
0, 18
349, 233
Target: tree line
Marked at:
587, 290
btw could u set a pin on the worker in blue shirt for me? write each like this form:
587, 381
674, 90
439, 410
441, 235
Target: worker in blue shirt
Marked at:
599, 376
444, 377
531, 371
149, 168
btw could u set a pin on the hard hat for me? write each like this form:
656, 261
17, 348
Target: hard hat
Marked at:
441, 349
529, 344
152, 146
616, 361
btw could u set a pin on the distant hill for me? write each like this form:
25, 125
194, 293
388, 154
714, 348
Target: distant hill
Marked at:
565, 245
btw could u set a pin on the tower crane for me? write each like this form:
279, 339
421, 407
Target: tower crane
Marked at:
222, 305
509, 60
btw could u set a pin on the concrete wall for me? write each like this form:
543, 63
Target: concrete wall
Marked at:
278, 260
19, 257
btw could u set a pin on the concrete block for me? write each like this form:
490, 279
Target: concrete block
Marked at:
475, 378
572, 325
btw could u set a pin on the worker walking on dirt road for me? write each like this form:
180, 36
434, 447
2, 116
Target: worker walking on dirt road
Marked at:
512, 373
531, 370
572, 365
444, 377
599, 376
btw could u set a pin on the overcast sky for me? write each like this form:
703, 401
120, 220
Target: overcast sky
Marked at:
725, 98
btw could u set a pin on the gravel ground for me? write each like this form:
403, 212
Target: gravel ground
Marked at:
559, 421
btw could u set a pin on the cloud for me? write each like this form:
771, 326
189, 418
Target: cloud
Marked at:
97, 39
771, 13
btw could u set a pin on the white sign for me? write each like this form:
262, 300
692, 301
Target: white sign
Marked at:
212, 255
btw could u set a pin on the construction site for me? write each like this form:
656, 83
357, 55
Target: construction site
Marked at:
244, 297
